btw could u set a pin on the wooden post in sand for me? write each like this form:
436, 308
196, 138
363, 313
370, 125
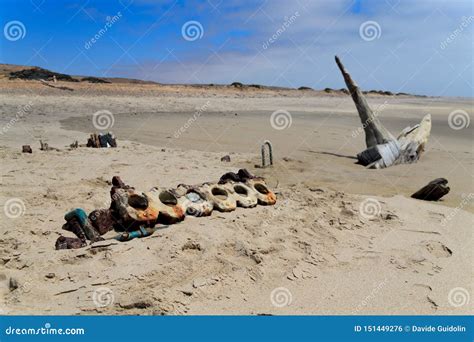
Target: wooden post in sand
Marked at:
383, 150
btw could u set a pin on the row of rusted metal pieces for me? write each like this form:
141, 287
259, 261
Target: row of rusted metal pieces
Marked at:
160, 205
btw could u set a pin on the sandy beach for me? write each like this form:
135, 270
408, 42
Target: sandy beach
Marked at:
314, 252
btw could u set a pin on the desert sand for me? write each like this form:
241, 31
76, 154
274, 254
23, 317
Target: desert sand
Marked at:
314, 252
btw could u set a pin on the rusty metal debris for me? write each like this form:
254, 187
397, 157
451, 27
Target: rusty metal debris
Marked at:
225, 159
26, 149
433, 191
269, 146
102, 140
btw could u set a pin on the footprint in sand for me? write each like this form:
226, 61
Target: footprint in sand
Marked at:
437, 249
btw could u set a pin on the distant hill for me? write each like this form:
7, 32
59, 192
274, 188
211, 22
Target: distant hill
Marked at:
11, 72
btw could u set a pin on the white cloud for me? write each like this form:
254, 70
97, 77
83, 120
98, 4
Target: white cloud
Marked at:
407, 56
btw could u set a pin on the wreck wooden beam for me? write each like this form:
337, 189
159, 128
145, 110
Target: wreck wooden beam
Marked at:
375, 132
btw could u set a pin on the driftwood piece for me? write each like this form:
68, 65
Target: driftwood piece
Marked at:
383, 150
433, 191
45, 147
54, 86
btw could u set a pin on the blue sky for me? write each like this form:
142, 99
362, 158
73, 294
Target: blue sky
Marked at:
282, 43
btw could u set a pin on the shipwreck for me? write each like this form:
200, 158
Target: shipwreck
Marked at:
383, 149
